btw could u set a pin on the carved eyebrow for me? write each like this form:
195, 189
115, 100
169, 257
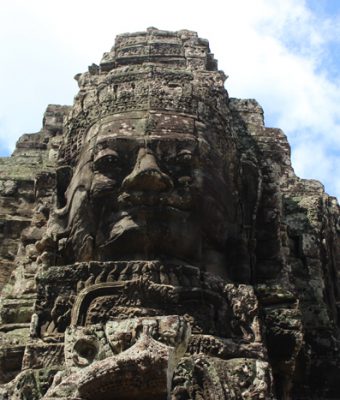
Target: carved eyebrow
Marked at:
112, 141
184, 152
179, 143
106, 152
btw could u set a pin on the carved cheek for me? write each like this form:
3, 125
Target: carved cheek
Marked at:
101, 185
78, 201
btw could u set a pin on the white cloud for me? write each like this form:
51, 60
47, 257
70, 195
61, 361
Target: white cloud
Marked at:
278, 52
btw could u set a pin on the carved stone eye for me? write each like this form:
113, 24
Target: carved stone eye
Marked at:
104, 160
184, 157
85, 352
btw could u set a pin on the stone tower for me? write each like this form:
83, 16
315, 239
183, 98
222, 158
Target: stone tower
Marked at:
156, 243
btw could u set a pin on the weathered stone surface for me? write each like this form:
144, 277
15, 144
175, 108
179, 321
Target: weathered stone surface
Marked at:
26, 189
156, 243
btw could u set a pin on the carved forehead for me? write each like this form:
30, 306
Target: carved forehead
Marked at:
167, 144
162, 131
141, 124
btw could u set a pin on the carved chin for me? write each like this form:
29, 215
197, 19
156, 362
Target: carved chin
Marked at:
149, 233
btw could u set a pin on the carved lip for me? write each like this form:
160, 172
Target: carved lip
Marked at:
155, 210
137, 219
150, 200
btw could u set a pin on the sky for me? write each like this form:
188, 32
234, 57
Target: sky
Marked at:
283, 53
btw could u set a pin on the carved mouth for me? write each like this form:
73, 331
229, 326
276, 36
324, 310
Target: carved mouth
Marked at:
148, 231
174, 200
155, 211
145, 218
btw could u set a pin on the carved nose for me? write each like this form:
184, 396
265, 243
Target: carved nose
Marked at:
146, 174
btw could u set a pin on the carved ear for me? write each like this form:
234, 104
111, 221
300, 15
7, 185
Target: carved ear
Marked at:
239, 263
64, 176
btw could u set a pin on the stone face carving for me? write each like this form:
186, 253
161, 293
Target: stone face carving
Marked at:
150, 185
170, 252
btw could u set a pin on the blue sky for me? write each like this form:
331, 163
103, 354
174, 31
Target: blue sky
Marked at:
284, 53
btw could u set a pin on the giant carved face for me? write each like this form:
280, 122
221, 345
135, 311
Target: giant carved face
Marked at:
149, 186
